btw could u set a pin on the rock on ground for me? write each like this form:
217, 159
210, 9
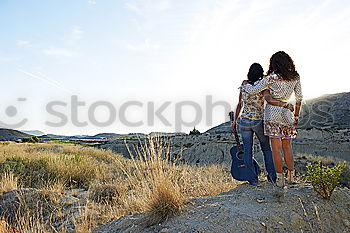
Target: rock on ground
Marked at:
45, 206
264, 208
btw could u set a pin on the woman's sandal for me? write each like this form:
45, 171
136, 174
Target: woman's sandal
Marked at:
280, 180
290, 175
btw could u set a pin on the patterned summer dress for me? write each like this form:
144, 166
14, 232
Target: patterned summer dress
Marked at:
278, 121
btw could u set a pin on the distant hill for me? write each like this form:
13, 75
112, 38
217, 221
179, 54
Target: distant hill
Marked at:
10, 135
222, 128
97, 136
326, 111
136, 134
56, 136
46, 138
165, 134
33, 132
108, 135
114, 135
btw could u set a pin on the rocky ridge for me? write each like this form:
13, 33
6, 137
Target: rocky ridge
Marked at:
10, 134
264, 208
214, 148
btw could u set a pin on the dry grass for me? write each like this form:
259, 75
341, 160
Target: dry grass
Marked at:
116, 186
166, 201
107, 193
56, 186
8, 182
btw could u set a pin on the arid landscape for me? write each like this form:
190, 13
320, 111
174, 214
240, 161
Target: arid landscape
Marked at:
164, 183
49, 187
120, 116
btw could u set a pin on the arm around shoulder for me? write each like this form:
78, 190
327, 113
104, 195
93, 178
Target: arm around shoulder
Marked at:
258, 86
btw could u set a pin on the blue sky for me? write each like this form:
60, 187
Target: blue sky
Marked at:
159, 50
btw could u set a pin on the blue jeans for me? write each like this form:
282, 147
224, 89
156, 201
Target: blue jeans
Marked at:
247, 127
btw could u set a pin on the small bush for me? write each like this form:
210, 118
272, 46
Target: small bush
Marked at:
195, 132
324, 179
33, 139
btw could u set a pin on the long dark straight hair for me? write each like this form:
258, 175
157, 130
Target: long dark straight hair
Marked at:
283, 65
256, 72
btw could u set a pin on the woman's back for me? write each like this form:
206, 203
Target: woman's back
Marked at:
253, 105
282, 89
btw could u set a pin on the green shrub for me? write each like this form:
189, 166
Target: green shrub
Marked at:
324, 179
41, 171
14, 165
33, 139
31, 173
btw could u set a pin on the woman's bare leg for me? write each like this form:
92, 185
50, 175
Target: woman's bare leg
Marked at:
288, 155
276, 147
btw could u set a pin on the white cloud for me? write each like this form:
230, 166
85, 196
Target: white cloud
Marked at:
163, 5
58, 52
134, 8
23, 43
148, 7
9, 59
142, 47
91, 2
75, 34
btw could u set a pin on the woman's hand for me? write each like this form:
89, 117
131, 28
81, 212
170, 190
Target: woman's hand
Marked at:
245, 82
234, 126
296, 121
289, 106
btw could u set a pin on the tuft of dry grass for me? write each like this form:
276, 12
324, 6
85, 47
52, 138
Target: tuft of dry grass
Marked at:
166, 201
8, 182
56, 186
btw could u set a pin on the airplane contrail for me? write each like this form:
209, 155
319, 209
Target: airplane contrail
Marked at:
46, 79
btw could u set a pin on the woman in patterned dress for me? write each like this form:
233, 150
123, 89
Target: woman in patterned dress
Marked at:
251, 122
279, 123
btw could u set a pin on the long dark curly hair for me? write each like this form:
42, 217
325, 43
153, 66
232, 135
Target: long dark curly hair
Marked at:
283, 65
255, 73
